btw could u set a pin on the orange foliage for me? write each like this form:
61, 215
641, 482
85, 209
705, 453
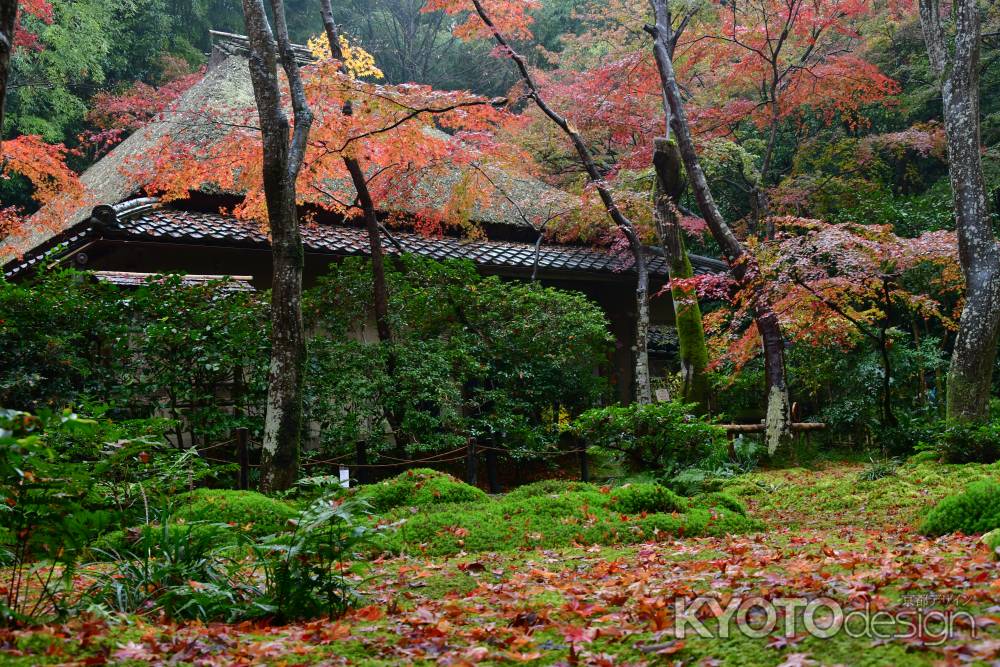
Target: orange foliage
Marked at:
401, 134
55, 185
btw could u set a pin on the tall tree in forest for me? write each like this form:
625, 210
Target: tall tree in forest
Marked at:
513, 16
692, 351
8, 23
957, 68
360, 181
742, 264
282, 160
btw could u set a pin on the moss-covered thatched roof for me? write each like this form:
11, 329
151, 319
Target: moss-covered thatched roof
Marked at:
226, 92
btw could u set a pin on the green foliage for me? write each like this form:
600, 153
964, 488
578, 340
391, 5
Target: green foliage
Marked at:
309, 572
255, 513
646, 498
992, 541
718, 499
44, 519
165, 347
420, 487
182, 571
55, 340
469, 356
662, 436
184, 567
975, 510
963, 442
878, 469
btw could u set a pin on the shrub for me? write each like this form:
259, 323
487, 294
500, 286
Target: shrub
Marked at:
183, 571
879, 469
646, 497
975, 510
255, 513
962, 442
661, 436
548, 487
309, 571
45, 522
420, 487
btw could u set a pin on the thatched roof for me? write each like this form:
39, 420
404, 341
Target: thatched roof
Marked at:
226, 92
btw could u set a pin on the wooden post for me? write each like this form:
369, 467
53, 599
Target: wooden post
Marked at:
361, 460
584, 466
244, 457
491, 470
471, 464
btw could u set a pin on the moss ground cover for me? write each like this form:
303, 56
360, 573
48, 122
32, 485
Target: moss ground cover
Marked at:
828, 534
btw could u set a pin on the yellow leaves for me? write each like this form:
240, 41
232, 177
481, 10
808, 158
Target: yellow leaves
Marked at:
359, 63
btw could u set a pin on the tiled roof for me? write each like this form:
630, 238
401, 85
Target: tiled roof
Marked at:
187, 226
133, 279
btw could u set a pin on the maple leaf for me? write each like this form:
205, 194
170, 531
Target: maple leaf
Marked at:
798, 660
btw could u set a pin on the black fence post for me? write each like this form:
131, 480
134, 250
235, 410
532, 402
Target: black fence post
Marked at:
361, 459
584, 465
491, 470
471, 464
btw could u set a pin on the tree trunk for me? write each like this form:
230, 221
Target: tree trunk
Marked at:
282, 159
971, 373
8, 24
643, 390
742, 264
692, 351
381, 290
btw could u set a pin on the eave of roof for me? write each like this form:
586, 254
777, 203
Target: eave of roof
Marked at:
145, 220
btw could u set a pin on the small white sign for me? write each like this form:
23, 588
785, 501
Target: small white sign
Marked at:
345, 477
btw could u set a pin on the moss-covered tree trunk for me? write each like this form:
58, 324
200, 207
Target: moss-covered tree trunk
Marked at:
956, 64
282, 160
692, 351
743, 265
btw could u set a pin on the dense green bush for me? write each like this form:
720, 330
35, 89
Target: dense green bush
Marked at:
68, 339
470, 356
665, 437
253, 512
646, 497
975, 510
963, 442
183, 571
420, 487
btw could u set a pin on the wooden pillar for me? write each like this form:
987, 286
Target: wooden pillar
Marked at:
471, 464
491, 470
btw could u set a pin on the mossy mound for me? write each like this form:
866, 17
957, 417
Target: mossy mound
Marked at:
646, 498
420, 487
551, 520
719, 499
249, 511
975, 510
548, 487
